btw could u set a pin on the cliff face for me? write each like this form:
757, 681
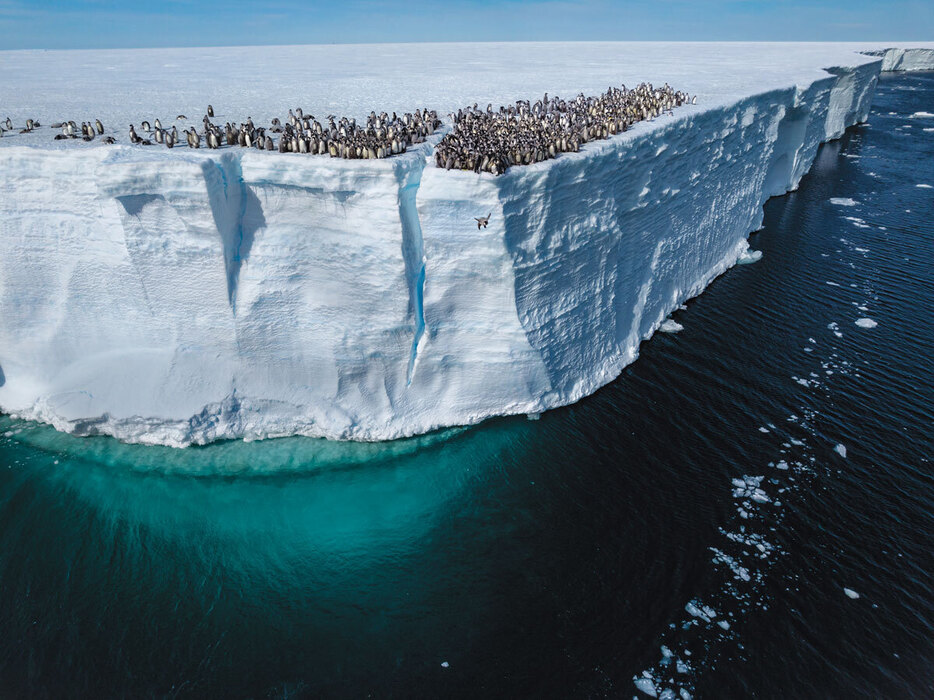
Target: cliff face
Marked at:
193, 296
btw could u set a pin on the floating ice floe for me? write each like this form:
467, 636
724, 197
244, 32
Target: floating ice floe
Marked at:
739, 572
857, 222
843, 201
924, 186
866, 323
748, 487
840, 449
646, 685
704, 612
921, 115
671, 326
850, 593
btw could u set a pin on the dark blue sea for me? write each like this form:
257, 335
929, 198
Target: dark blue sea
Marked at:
748, 511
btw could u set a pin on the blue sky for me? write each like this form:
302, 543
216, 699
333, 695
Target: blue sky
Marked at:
148, 23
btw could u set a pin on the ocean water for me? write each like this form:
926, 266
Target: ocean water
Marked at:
746, 511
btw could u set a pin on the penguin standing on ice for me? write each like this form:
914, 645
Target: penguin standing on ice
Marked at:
210, 111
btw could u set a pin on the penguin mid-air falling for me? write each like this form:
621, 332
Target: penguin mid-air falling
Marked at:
482, 221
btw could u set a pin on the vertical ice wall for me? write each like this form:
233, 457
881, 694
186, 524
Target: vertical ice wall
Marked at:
199, 296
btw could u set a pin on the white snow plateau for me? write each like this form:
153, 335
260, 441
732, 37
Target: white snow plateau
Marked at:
179, 297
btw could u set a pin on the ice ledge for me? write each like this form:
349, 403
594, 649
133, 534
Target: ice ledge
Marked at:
254, 295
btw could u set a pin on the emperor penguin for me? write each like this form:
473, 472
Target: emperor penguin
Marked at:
482, 221
100, 127
210, 111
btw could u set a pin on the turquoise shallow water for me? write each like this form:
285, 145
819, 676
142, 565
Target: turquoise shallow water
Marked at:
545, 558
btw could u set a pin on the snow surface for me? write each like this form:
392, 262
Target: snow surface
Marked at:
181, 296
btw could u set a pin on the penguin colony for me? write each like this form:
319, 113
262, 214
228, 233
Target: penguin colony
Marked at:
382, 135
490, 141
481, 140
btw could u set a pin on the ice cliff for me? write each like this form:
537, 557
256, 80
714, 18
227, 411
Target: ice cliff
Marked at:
187, 296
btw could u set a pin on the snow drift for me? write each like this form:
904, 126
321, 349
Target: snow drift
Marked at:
187, 296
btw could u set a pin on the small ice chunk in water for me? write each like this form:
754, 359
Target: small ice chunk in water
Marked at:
924, 186
685, 695
843, 201
857, 222
763, 429
921, 115
533, 416
866, 323
704, 612
840, 450
647, 686
850, 593
749, 256
724, 624
671, 326
444, 664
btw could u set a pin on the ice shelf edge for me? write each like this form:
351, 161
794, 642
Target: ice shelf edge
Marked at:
248, 296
